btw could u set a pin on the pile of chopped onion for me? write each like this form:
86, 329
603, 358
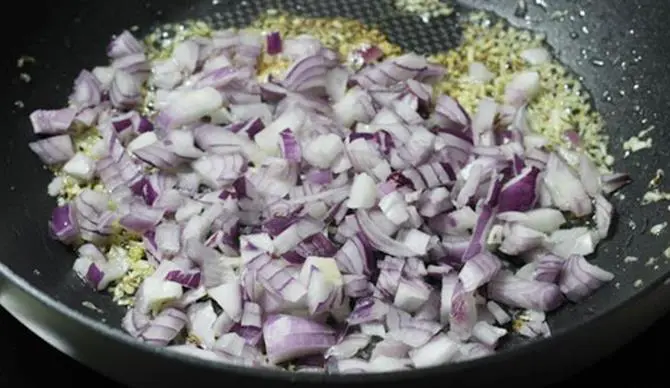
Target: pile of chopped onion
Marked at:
327, 220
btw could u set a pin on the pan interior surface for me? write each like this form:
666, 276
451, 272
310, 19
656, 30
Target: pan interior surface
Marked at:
628, 90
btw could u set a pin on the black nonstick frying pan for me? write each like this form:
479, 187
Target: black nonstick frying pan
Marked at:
38, 286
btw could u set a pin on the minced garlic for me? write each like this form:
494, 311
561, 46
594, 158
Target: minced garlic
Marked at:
653, 196
425, 9
562, 104
635, 144
658, 228
133, 253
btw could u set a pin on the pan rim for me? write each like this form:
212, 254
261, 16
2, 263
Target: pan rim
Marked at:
535, 346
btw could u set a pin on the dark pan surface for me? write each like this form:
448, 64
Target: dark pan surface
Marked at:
629, 36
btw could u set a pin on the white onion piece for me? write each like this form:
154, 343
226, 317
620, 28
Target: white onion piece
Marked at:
323, 151
567, 191
268, 139
415, 240
229, 297
487, 333
143, 140
104, 74
201, 318
478, 72
574, 241
363, 194
185, 54
544, 220
80, 167
166, 74
500, 315
167, 237
155, 292
394, 207
536, 56
336, 83
189, 106
440, 350
522, 88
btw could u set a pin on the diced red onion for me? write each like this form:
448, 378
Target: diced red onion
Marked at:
544, 220
567, 191
479, 270
136, 65
518, 239
440, 350
498, 313
548, 268
185, 54
289, 146
287, 337
515, 292
141, 218
273, 43
165, 327
463, 312
348, 366
392, 71
154, 292
189, 107
488, 334
63, 224
348, 346
124, 44
188, 279
471, 351
87, 90
589, 175
520, 193
580, 278
604, 212
355, 256
54, 149
266, 207
411, 295
613, 182
233, 345
574, 241
533, 324
201, 318
125, 90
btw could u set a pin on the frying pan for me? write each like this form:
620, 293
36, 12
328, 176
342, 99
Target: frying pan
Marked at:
38, 286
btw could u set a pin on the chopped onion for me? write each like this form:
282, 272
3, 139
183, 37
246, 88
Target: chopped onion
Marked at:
336, 220
479, 73
288, 337
522, 88
439, 350
536, 56
516, 292
567, 191
363, 193
580, 278
189, 107
53, 150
